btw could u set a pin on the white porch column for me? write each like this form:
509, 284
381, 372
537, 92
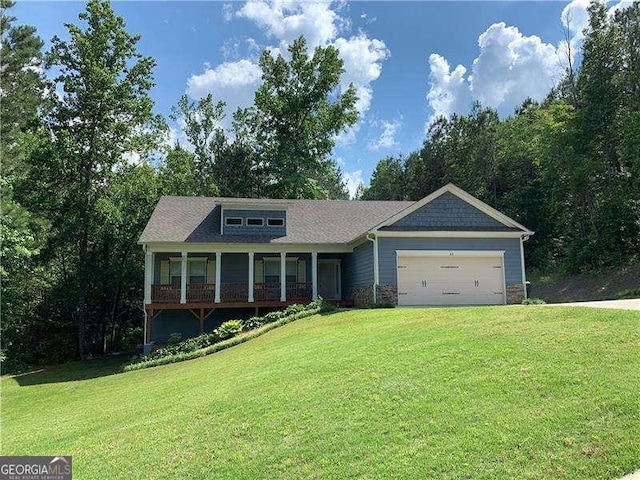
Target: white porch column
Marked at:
251, 275
148, 276
218, 271
314, 275
183, 279
283, 276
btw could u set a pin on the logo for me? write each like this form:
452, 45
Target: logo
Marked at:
35, 468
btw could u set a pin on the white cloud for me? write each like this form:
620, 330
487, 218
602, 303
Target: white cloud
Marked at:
387, 136
287, 20
448, 91
352, 180
512, 67
363, 59
234, 83
321, 25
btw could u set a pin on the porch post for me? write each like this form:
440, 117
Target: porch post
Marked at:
183, 279
283, 276
218, 270
314, 275
251, 255
148, 276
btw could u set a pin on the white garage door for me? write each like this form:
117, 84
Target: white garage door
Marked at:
450, 278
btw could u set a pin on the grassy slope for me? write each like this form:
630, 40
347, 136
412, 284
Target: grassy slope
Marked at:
619, 282
511, 392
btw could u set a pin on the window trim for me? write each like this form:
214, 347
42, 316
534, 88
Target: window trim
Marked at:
227, 224
254, 219
279, 219
290, 260
190, 262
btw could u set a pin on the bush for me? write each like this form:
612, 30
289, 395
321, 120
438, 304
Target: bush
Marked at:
229, 328
533, 301
273, 316
174, 339
293, 309
382, 305
220, 338
252, 323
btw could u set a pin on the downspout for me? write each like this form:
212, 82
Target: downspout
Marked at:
376, 278
144, 307
523, 239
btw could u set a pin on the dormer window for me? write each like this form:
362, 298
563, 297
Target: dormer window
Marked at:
233, 221
255, 222
275, 222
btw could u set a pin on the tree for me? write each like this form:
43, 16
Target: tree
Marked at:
104, 118
22, 233
202, 126
294, 122
178, 174
387, 181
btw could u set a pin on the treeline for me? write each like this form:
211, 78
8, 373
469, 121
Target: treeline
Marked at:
85, 159
567, 168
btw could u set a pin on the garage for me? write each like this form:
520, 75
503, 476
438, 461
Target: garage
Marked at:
450, 277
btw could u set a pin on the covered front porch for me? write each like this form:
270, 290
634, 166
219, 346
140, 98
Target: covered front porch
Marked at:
203, 282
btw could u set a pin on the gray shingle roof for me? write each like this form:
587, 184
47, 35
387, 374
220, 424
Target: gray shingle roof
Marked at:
197, 219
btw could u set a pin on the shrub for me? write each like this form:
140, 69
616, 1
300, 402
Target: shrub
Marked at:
174, 339
533, 301
382, 305
229, 328
252, 323
220, 338
293, 309
273, 316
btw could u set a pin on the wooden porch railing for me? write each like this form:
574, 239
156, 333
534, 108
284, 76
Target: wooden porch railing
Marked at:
299, 291
266, 292
234, 292
170, 293
231, 292
201, 292
166, 293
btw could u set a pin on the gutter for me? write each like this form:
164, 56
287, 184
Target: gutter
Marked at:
376, 275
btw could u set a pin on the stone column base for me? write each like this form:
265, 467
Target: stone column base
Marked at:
515, 293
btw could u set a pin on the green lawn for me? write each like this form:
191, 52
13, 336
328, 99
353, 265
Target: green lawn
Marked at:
491, 392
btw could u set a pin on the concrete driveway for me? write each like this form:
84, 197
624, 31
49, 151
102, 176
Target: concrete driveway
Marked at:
629, 304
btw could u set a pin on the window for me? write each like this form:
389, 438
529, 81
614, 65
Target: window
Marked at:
255, 222
175, 269
233, 221
275, 222
272, 271
197, 271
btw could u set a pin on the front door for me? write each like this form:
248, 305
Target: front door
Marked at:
329, 280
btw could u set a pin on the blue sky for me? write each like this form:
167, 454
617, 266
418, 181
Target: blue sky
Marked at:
409, 60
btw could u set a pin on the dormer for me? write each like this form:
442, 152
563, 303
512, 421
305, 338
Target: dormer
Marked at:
254, 218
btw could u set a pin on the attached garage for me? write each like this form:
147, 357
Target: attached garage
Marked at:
428, 277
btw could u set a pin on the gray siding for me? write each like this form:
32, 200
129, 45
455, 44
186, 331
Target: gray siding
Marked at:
234, 268
359, 266
248, 230
387, 253
447, 212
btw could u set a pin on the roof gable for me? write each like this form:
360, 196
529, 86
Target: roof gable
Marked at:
451, 208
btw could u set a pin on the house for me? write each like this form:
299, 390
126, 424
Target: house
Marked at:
207, 257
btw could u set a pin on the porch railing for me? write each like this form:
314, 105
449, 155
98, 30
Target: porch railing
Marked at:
299, 291
234, 292
201, 292
231, 292
166, 293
